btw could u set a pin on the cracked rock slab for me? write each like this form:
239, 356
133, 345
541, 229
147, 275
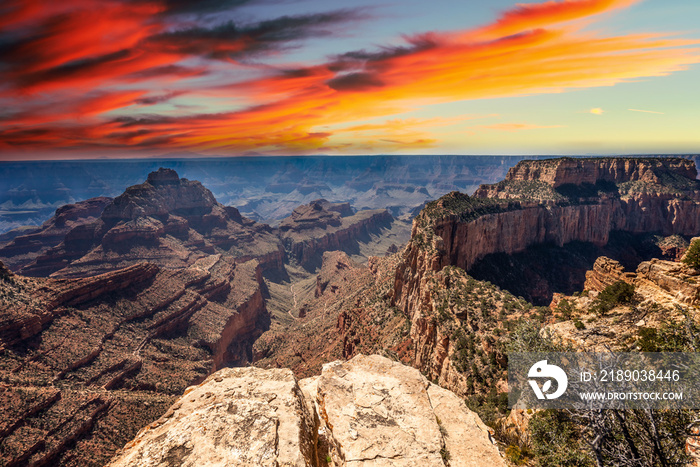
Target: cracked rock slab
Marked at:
382, 413
237, 416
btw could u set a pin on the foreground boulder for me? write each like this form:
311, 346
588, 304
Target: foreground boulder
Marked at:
367, 411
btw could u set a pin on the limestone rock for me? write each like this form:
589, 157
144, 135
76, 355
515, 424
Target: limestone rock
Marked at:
368, 411
605, 272
238, 416
385, 413
466, 438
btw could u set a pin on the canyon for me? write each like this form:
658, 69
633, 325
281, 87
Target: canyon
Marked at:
87, 362
166, 286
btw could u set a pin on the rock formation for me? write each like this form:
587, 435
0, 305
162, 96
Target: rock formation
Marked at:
174, 222
168, 221
541, 202
85, 363
28, 245
322, 226
662, 289
367, 411
665, 282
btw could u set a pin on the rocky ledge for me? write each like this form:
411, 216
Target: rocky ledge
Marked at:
664, 292
367, 411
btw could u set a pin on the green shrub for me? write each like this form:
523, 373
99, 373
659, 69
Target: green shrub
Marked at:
565, 308
692, 256
556, 440
579, 325
515, 455
616, 293
671, 336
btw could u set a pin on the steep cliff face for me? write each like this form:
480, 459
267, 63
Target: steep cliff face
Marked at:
87, 362
365, 412
558, 172
322, 226
630, 195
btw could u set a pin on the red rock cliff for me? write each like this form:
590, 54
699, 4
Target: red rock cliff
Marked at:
638, 196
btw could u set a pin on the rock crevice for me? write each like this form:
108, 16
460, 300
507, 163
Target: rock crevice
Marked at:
367, 411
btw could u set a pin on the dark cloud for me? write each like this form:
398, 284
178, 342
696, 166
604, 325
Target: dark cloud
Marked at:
179, 7
168, 70
231, 41
355, 82
159, 99
152, 119
417, 44
74, 68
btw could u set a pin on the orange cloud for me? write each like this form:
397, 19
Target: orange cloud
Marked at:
531, 49
541, 15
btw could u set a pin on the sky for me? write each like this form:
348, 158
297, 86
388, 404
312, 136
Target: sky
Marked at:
144, 78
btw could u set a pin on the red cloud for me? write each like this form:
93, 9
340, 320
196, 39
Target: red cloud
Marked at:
531, 49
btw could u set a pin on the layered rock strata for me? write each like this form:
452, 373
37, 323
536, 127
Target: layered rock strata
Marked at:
367, 411
667, 283
166, 220
322, 226
85, 363
27, 246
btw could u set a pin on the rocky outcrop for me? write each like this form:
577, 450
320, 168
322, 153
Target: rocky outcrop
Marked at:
367, 411
606, 272
238, 416
641, 196
116, 349
665, 282
322, 226
168, 221
663, 289
26, 247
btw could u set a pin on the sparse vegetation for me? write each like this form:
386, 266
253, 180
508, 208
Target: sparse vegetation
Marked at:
672, 336
692, 255
556, 440
618, 293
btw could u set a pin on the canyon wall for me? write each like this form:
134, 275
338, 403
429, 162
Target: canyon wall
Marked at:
558, 172
459, 230
322, 226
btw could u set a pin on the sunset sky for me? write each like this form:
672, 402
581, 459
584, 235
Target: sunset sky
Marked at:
135, 78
